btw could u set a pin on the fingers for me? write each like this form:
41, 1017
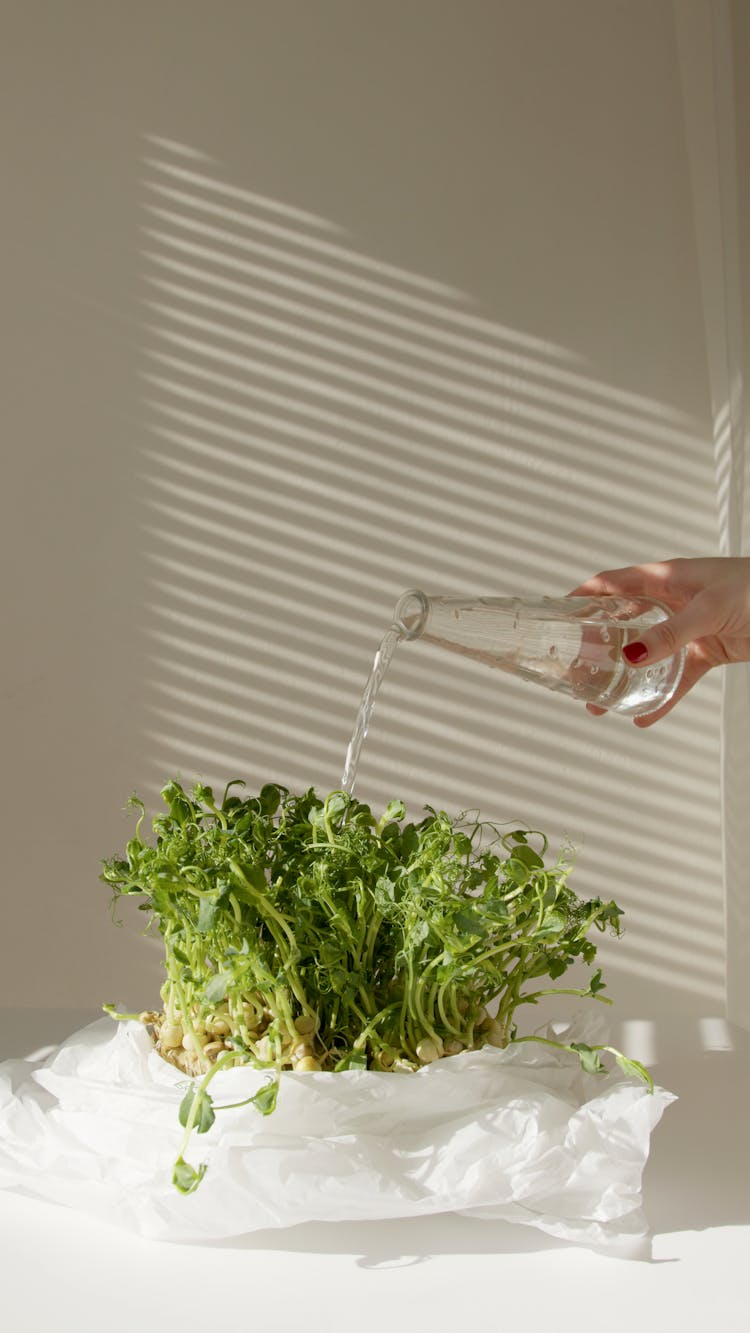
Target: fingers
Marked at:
653, 580
697, 620
600, 585
696, 612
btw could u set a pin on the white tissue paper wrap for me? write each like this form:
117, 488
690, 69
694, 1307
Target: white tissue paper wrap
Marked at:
521, 1134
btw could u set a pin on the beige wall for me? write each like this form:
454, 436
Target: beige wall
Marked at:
306, 303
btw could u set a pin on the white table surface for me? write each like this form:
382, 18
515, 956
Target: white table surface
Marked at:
63, 1269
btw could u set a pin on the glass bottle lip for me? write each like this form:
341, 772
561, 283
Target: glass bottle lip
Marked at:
411, 613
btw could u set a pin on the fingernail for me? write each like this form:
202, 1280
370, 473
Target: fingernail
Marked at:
635, 652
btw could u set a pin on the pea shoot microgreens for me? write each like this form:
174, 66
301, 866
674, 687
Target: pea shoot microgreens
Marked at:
301, 932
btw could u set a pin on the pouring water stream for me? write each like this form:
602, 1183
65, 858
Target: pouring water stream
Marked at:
381, 662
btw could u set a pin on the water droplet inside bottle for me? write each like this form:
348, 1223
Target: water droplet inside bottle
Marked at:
593, 670
605, 636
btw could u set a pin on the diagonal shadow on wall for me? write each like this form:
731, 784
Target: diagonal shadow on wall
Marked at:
324, 430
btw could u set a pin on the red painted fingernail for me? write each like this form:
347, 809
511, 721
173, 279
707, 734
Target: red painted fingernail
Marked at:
635, 652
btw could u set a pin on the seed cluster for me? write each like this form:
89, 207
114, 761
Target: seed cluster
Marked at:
209, 1038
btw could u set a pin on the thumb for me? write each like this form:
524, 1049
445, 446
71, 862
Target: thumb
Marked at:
671, 635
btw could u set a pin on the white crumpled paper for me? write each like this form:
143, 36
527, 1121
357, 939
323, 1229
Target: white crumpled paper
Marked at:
521, 1134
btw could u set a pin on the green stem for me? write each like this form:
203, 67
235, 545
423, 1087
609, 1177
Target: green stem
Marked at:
624, 1061
456, 1026
186, 1019
407, 1043
545, 1041
275, 918
190, 1122
418, 997
115, 1013
370, 1028
533, 996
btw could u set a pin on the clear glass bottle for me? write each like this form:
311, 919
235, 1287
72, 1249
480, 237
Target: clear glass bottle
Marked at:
569, 644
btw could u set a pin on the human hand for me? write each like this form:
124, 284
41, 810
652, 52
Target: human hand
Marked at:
710, 601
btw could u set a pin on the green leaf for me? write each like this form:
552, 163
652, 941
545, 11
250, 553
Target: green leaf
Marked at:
341, 981
353, 1060
556, 967
248, 872
336, 804
207, 913
462, 845
528, 857
331, 952
495, 910
217, 988
180, 808
204, 1111
609, 915
409, 842
395, 810
265, 1098
385, 890
185, 1177
634, 1068
419, 932
270, 798
596, 984
516, 871
470, 922
553, 923
591, 1060
202, 794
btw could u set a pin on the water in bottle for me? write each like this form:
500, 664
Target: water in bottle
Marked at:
569, 644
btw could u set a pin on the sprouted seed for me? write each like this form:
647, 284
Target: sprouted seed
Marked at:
302, 933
